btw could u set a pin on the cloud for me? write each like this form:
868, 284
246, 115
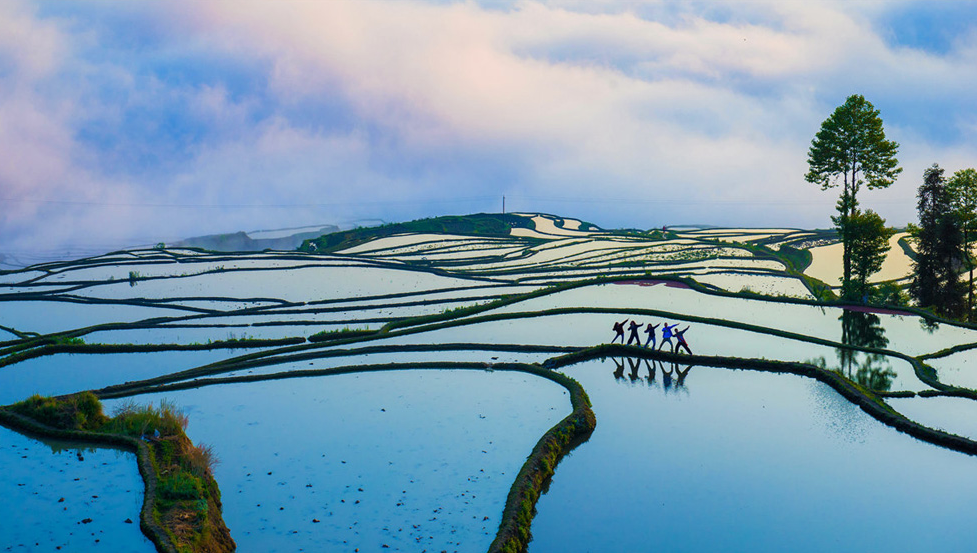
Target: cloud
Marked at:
624, 113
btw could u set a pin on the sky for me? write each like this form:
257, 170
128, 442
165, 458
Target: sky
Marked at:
125, 123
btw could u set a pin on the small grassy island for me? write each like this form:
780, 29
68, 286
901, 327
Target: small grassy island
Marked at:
182, 508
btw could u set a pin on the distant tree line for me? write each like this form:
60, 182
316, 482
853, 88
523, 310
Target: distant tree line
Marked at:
851, 151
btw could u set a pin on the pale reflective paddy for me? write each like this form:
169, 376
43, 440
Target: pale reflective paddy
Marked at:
585, 329
54, 316
69, 497
415, 460
905, 333
959, 369
748, 462
299, 284
360, 359
955, 415
66, 373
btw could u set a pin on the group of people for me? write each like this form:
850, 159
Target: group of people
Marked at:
668, 332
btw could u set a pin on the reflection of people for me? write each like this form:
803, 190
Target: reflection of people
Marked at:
633, 327
666, 378
651, 372
680, 336
650, 330
634, 363
667, 335
619, 331
619, 371
680, 375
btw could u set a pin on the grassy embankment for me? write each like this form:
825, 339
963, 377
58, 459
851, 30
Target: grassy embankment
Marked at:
480, 224
182, 509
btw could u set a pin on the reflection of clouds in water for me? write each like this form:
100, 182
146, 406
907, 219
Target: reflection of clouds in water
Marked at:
839, 417
955, 415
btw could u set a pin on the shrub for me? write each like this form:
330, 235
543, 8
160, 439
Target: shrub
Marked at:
180, 486
80, 411
134, 420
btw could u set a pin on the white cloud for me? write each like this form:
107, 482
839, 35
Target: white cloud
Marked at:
714, 103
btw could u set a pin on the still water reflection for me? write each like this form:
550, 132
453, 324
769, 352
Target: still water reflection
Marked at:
747, 461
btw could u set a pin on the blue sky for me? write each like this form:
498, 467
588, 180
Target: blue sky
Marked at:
126, 123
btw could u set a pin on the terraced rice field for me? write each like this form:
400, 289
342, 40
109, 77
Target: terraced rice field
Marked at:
386, 396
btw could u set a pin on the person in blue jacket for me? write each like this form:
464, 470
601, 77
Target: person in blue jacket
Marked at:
667, 335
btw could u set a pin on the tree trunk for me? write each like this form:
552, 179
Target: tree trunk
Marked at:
970, 265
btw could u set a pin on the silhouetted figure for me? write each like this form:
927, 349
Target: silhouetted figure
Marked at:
619, 331
680, 375
680, 337
651, 372
634, 337
650, 331
666, 378
667, 335
619, 372
634, 363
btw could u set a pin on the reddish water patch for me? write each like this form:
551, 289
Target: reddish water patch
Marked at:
877, 310
652, 282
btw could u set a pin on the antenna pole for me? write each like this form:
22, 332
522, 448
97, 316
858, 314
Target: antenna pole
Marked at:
503, 204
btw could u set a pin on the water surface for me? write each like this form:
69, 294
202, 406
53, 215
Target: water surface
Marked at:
68, 496
747, 461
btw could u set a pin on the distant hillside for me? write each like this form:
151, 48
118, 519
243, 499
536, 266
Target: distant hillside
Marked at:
480, 224
241, 242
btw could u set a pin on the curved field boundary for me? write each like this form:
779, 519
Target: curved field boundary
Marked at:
454, 318
230, 365
948, 351
514, 530
149, 526
867, 400
52, 349
302, 352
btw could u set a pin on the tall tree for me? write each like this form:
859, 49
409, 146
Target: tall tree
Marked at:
939, 248
851, 150
963, 196
869, 241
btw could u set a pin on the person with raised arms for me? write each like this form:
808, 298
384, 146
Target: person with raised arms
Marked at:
680, 337
619, 331
634, 337
667, 335
650, 330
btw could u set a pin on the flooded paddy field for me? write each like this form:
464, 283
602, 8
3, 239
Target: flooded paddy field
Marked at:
68, 496
409, 460
743, 461
393, 392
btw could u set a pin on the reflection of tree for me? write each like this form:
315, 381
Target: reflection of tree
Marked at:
864, 330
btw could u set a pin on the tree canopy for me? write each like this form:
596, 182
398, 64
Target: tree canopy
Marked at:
851, 150
962, 188
939, 248
869, 240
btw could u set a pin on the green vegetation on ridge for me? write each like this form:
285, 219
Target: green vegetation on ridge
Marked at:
480, 224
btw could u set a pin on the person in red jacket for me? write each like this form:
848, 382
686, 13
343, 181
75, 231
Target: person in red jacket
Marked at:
680, 338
